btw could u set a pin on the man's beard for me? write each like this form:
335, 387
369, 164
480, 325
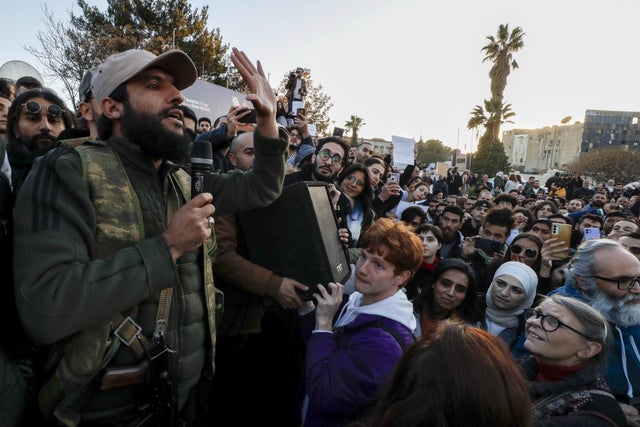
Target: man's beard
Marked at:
147, 131
46, 141
615, 309
321, 177
597, 203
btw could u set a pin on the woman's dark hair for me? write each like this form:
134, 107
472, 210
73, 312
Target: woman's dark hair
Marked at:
533, 238
462, 376
6, 87
539, 206
425, 228
364, 198
411, 212
412, 181
434, 229
377, 160
468, 310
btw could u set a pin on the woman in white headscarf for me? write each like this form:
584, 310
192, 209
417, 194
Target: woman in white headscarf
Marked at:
512, 291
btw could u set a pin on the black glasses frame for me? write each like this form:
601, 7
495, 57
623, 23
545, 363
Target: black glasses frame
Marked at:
631, 282
531, 312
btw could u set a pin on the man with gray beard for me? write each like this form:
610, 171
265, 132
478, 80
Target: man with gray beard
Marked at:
607, 277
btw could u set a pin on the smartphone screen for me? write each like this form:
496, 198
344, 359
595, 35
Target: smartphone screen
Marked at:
300, 111
591, 233
393, 177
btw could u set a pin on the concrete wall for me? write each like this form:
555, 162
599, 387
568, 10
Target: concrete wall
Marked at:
545, 148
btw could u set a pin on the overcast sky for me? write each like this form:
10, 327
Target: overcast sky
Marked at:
414, 68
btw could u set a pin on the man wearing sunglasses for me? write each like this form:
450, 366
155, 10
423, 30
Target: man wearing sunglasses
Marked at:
606, 276
35, 120
109, 234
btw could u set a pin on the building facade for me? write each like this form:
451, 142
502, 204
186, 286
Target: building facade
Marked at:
538, 150
610, 128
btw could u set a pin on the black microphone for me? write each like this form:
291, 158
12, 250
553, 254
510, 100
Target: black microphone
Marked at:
201, 165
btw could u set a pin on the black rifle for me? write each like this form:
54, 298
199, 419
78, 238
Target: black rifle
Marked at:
159, 394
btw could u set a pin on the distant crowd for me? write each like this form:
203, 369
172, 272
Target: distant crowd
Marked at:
125, 230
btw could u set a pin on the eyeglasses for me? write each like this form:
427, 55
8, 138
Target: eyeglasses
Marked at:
548, 322
529, 253
336, 159
294, 135
34, 107
353, 180
624, 284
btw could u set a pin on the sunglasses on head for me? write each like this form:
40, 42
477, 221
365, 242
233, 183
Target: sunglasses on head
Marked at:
33, 107
529, 253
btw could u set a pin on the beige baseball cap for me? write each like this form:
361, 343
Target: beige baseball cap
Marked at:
121, 67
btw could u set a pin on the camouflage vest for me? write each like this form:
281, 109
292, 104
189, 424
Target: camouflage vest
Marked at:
81, 357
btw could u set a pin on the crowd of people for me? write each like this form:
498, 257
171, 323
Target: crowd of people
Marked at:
135, 300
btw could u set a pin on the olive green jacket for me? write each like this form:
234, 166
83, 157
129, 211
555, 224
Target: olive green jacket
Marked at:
63, 288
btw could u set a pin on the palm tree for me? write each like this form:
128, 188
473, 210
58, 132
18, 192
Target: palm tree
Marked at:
494, 114
499, 51
353, 125
490, 156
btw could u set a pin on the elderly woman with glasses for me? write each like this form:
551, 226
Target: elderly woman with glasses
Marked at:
568, 340
355, 202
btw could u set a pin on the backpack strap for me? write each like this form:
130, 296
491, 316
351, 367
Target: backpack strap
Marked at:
388, 329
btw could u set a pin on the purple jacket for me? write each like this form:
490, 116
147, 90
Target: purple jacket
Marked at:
346, 370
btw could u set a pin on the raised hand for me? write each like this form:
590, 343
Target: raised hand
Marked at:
260, 93
327, 305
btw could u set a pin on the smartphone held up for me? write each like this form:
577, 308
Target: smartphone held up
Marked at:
562, 232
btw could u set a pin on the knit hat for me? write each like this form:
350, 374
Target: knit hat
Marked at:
121, 67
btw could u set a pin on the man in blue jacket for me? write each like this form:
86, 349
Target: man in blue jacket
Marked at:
607, 277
